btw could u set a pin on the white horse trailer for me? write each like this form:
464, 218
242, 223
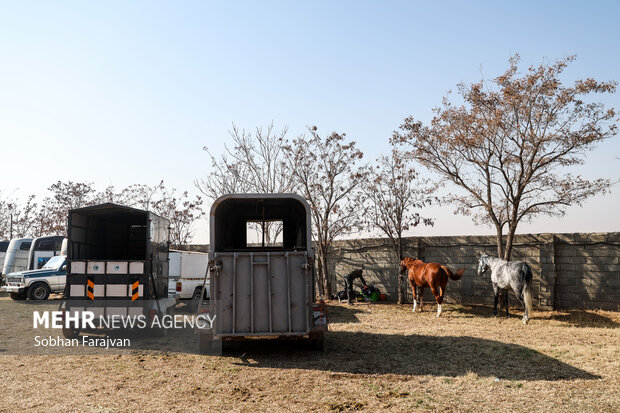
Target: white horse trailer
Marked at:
4, 245
261, 270
44, 248
16, 258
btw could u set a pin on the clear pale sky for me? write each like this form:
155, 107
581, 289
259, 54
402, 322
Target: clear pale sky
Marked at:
129, 92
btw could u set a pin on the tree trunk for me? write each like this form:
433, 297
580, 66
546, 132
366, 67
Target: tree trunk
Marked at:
327, 285
500, 242
509, 243
401, 278
319, 274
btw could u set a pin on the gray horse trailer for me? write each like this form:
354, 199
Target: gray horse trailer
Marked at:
262, 274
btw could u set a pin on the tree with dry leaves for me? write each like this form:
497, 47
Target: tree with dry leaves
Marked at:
396, 194
328, 174
33, 219
182, 211
65, 196
253, 163
507, 145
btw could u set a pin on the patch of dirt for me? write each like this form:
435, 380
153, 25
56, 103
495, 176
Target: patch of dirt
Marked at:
379, 357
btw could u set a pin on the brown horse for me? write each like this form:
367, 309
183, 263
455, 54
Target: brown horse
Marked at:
431, 275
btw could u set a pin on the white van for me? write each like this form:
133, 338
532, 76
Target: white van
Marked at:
17, 254
186, 275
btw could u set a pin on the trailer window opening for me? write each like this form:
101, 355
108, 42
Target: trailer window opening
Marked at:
238, 224
46, 245
25, 246
264, 233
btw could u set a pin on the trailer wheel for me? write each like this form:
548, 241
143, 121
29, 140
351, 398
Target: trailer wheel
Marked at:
70, 333
317, 341
39, 292
18, 296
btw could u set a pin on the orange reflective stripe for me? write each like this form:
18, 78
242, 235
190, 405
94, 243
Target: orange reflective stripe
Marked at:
134, 290
90, 289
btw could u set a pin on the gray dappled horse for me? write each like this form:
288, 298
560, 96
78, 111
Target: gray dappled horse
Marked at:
506, 275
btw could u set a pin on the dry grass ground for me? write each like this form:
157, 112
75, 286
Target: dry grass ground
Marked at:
378, 358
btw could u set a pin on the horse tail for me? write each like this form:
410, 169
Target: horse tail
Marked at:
453, 276
527, 292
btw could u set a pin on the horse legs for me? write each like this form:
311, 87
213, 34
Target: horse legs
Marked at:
506, 303
496, 292
438, 297
421, 297
413, 291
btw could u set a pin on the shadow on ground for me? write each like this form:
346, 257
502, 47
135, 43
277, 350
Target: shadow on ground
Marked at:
576, 318
370, 353
582, 318
345, 313
470, 310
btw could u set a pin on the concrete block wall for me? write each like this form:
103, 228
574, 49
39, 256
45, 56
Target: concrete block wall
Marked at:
571, 271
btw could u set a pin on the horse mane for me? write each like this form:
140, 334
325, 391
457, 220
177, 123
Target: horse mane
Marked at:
409, 261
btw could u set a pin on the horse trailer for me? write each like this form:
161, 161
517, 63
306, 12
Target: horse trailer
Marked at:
44, 248
117, 262
261, 265
16, 258
4, 245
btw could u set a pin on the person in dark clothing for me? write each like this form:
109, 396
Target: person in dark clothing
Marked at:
348, 280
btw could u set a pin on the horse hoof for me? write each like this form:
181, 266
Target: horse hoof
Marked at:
525, 320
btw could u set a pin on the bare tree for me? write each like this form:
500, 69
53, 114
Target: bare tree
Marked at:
182, 212
254, 163
140, 195
65, 196
29, 219
506, 145
395, 194
328, 175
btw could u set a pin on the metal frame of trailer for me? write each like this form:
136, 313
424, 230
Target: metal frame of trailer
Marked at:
259, 289
117, 262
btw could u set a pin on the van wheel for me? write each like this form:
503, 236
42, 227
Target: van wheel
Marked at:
18, 296
196, 301
38, 292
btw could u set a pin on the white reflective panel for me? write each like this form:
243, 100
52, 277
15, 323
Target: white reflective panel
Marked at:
95, 267
78, 267
76, 291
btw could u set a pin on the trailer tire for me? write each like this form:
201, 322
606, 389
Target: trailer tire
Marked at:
317, 341
39, 291
18, 296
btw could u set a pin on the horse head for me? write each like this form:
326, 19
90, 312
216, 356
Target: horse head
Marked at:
483, 264
402, 269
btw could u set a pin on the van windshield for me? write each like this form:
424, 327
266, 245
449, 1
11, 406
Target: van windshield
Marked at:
54, 263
